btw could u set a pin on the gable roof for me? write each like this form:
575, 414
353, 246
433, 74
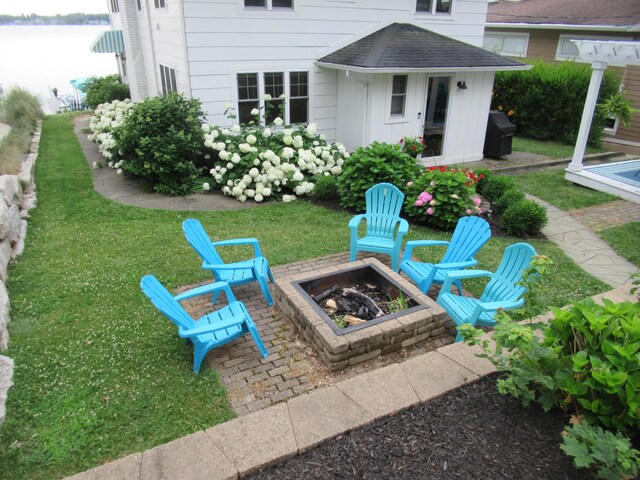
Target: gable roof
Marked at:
407, 47
617, 13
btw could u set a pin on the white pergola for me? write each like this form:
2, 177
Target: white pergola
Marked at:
600, 54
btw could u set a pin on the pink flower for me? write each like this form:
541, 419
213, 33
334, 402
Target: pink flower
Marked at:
419, 203
433, 184
425, 197
478, 210
409, 184
476, 201
429, 211
468, 211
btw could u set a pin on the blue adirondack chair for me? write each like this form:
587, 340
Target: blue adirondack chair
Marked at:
211, 330
385, 228
238, 273
502, 291
470, 235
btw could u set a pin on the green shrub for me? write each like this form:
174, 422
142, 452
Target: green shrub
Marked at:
440, 196
496, 185
508, 198
524, 218
592, 447
546, 102
412, 146
483, 175
370, 165
159, 140
326, 188
20, 109
105, 90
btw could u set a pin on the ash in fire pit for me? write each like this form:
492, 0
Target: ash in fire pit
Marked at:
354, 304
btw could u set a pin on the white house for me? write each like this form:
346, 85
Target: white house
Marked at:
362, 70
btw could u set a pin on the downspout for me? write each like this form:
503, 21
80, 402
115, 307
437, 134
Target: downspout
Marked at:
367, 128
153, 48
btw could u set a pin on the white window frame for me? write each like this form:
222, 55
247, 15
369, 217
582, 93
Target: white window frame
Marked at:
432, 10
171, 82
268, 5
160, 4
115, 6
397, 118
564, 38
287, 89
503, 36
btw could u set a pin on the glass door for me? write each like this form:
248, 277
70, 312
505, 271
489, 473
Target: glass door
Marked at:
435, 115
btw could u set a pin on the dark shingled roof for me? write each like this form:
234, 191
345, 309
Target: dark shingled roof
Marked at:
566, 12
405, 46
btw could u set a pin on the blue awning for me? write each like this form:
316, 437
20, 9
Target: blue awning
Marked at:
108, 42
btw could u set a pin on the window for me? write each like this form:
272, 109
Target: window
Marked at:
398, 95
252, 87
247, 96
512, 44
298, 97
430, 6
268, 4
168, 79
115, 8
160, 3
139, 3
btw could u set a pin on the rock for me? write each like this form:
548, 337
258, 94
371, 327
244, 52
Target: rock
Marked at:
351, 320
27, 170
5, 257
5, 223
18, 247
331, 304
11, 189
6, 375
5, 309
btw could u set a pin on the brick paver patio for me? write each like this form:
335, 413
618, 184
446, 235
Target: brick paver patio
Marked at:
610, 214
292, 367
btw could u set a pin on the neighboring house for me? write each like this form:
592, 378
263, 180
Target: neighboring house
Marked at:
362, 70
544, 28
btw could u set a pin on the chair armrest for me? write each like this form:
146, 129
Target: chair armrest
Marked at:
456, 265
411, 244
489, 306
453, 275
240, 241
213, 327
207, 289
404, 227
246, 265
355, 221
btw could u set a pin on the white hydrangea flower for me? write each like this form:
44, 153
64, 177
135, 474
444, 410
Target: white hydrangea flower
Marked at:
227, 106
266, 97
246, 179
298, 176
249, 192
96, 165
298, 142
229, 183
206, 186
244, 147
224, 155
235, 158
287, 139
214, 134
256, 161
287, 152
258, 197
311, 129
205, 127
266, 192
226, 131
236, 128
266, 133
208, 143
278, 122
119, 171
251, 139
283, 96
237, 191
288, 198
337, 170
255, 111
253, 173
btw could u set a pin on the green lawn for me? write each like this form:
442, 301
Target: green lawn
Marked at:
550, 149
99, 372
551, 186
624, 240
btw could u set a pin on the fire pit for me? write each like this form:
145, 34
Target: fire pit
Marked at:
341, 346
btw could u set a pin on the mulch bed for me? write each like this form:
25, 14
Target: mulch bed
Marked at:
471, 432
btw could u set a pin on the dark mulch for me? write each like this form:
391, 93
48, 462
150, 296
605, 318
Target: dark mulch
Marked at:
471, 432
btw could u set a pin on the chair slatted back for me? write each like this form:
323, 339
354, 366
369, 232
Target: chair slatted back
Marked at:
470, 235
502, 286
384, 202
199, 240
165, 302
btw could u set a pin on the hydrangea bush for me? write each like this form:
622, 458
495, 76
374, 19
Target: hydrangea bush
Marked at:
105, 118
441, 195
254, 162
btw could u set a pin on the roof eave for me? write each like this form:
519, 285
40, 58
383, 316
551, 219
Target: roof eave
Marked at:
401, 70
564, 26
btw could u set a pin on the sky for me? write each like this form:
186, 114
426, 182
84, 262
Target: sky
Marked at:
49, 7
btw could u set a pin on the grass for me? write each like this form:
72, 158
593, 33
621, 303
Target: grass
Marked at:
99, 373
551, 186
624, 240
547, 148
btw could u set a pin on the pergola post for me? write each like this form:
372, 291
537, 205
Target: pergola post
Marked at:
597, 73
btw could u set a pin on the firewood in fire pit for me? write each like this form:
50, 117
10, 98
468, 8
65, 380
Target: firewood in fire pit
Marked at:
366, 301
351, 320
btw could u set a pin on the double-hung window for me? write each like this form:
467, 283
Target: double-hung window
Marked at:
268, 4
168, 79
278, 94
433, 6
398, 95
512, 44
160, 4
115, 7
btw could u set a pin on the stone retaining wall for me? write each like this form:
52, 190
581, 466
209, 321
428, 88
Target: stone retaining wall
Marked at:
18, 196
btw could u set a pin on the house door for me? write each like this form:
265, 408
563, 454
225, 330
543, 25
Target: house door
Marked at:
435, 115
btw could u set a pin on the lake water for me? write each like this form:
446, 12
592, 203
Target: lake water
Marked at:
39, 58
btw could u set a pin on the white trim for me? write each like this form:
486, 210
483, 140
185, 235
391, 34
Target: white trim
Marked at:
433, 14
567, 38
505, 35
619, 141
268, 7
399, 71
388, 100
564, 26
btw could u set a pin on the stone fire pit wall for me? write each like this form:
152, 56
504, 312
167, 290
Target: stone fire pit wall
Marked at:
341, 351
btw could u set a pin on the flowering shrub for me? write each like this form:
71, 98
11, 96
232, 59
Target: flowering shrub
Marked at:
255, 162
104, 120
413, 146
440, 196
